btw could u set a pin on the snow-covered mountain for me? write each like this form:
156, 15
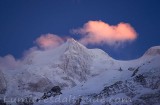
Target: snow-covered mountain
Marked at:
88, 75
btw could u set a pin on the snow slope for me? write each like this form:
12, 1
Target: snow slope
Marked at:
83, 74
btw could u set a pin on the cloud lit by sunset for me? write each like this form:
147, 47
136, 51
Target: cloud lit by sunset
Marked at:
48, 41
96, 32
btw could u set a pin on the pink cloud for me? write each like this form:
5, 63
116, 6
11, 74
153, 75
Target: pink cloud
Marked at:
96, 32
49, 41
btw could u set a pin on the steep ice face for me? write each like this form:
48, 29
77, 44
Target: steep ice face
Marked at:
76, 60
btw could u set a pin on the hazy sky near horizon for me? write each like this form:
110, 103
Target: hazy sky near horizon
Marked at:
124, 29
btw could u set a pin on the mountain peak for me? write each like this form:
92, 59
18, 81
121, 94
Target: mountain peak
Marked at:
71, 40
73, 44
153, 51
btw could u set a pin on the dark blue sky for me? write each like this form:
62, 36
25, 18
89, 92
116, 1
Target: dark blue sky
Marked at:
22, 21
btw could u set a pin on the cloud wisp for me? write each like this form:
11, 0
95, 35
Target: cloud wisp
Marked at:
48, 41
9, 62
97, 32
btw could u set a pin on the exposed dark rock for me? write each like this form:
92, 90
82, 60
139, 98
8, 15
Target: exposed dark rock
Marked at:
120, 69
2, 102
141, 79
131, 69
135, 71
78, 101
115, 88
56, 89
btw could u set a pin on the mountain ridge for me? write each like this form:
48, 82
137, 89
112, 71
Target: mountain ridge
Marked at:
78, 70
